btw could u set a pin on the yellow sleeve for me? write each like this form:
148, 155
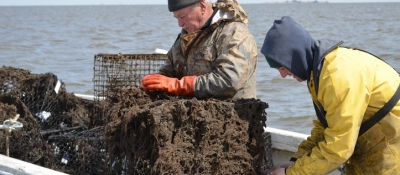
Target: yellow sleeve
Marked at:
317, 135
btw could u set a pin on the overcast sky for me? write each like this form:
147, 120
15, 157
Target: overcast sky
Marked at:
142, 2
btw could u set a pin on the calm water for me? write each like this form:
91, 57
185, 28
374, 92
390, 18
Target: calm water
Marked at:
64, 39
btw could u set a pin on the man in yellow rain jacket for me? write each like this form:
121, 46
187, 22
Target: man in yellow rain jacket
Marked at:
348, 86
214, 56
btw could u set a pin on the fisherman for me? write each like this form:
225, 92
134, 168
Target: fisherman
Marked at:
356, 98
214, 56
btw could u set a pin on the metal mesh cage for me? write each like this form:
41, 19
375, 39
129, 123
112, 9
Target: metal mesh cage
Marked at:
122, 70
56, 130
78, 136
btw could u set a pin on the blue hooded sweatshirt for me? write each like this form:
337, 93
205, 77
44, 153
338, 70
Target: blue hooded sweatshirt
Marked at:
290, 45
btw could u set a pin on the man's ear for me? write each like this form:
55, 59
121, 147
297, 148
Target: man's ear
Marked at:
203, 6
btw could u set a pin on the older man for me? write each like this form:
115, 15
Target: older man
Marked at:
214, 56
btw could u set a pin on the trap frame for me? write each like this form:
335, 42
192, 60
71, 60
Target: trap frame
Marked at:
122, 70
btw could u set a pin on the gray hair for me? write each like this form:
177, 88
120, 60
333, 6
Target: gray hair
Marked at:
208, 2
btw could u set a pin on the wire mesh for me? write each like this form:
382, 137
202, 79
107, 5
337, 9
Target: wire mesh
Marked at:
56, 124
122, 70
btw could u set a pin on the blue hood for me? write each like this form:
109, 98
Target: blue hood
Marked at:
290, 45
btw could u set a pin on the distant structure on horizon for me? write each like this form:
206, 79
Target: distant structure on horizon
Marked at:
299, 1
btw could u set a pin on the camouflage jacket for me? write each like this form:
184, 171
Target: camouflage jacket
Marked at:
223, 55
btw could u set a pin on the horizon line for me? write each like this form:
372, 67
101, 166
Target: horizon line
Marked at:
285, 2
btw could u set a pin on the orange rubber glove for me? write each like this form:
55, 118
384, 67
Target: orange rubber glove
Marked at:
158, 82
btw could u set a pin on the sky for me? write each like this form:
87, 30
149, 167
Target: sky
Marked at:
145, 2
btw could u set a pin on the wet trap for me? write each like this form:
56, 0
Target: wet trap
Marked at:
126, 131
186, 136
55, 123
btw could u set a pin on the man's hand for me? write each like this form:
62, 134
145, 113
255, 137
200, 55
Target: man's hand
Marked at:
279, 169
158, 82
285, 164
276, 171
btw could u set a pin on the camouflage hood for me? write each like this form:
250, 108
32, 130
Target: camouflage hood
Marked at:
231, 10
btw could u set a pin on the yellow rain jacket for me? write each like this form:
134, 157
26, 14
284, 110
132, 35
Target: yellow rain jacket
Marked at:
353, 86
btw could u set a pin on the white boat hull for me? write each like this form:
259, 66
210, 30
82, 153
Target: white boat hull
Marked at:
285, 143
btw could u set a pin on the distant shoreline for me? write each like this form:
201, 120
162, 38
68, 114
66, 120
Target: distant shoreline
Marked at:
284, 2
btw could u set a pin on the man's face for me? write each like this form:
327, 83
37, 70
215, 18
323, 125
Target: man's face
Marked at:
189, 18
285, 72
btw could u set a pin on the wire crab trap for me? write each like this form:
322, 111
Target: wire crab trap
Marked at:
54, 123
122, 70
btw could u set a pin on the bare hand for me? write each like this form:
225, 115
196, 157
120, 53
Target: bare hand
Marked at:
285, 164
279, 169
276, 171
